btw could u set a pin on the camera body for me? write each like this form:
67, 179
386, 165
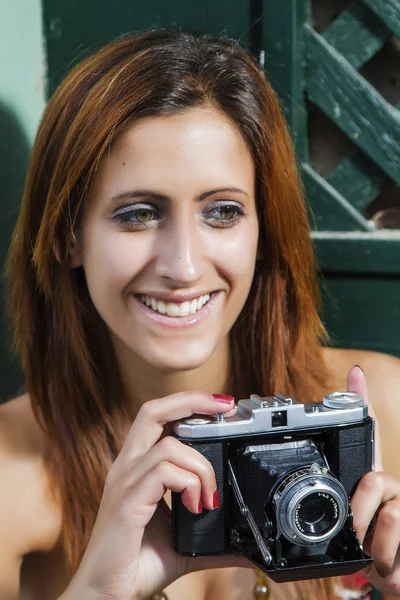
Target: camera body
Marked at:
285, 472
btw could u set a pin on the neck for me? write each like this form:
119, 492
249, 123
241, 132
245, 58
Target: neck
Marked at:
144, 382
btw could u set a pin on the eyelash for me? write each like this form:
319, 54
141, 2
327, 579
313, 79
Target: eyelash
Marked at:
124, 216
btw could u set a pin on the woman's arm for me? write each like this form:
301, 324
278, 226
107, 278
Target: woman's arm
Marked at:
20, 500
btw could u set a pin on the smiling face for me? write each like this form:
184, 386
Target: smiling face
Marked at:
169, 238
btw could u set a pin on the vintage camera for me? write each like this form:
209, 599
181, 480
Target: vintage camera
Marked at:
285, 472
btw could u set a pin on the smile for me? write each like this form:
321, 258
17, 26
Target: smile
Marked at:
173, 309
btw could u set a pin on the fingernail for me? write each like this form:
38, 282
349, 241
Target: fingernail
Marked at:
361, 369
216, 501
224, 398
200, 507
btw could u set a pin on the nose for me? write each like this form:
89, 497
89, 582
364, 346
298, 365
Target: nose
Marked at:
180, 255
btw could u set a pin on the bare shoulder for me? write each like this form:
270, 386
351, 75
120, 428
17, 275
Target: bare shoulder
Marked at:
28, 521
28, 511
382, 372
383, 377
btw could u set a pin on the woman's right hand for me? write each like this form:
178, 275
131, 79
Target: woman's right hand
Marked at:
129, 555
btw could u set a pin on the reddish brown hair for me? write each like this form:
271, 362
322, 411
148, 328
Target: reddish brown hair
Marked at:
70, 367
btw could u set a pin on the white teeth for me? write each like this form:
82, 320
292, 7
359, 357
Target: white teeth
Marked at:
172, 309
184, 309
193, 307
162, 307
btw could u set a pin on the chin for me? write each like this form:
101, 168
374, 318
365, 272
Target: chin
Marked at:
169, 366
184, 360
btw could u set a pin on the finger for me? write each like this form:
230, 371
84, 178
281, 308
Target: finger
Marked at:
356, 382
172, 450
169, 427
141, 500
153, 415
131, 512
373, 490
386, 537
232, 412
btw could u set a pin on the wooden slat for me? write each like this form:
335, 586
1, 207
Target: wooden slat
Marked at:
358, 179
388, 11
73, 28
358, 252
283, 43
362, 311
357, 34
332, 212
353, 104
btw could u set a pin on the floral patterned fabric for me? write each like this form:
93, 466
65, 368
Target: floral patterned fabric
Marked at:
354, 587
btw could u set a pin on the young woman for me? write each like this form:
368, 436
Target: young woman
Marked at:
162, 247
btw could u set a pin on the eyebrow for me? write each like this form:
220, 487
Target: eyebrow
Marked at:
162, 197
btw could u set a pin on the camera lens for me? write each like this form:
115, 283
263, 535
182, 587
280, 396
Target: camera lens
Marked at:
316, 514
310, 508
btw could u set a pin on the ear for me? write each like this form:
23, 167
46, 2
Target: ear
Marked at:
74, 253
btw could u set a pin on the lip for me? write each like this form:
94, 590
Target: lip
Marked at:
178, 322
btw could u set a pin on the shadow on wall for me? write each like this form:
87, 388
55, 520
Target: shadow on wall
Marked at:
14, 156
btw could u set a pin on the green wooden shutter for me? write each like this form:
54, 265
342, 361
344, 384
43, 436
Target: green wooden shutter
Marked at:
323, 73
75, 27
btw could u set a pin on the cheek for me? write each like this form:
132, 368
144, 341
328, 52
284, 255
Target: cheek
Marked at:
111, 260
237, 258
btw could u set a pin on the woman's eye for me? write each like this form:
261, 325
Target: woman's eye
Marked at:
136, 216
224, 215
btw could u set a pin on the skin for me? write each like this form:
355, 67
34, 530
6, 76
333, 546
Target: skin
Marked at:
180, 251
184, 250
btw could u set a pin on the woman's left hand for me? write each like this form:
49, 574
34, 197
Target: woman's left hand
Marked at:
377, 493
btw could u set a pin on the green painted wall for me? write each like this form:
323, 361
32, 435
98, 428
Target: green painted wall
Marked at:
21, 104
22, 63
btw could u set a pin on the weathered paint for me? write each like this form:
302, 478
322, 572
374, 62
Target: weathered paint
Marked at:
283, 43
388, 11
365, 116
357, 34
332, 211
74, 28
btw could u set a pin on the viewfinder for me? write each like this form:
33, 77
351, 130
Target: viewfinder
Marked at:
279, 419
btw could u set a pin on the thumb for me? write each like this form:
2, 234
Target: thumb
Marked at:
357, 382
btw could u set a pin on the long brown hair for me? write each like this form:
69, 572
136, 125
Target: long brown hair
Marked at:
69, 363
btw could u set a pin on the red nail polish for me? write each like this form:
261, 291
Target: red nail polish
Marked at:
200, 507
223, 398
216, 501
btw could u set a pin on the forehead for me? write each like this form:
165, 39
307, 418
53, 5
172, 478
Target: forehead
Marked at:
192, 145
